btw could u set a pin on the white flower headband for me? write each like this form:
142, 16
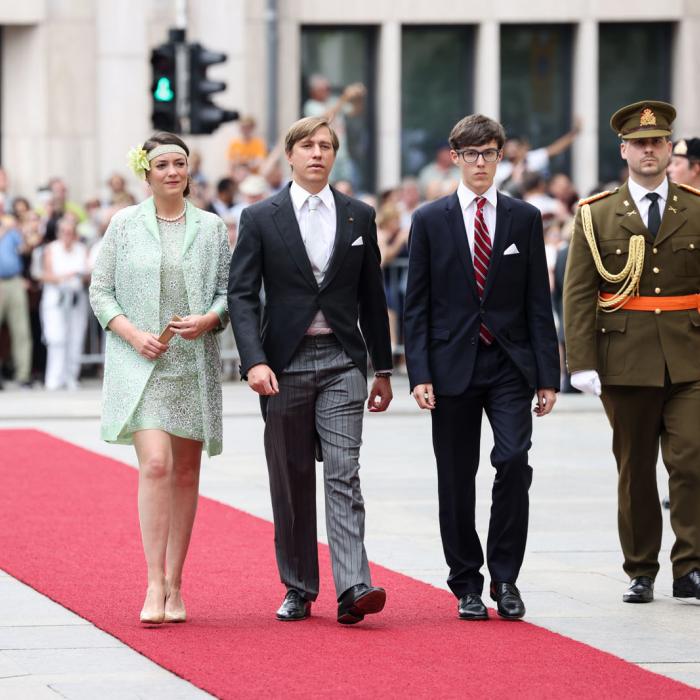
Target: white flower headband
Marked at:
139, 159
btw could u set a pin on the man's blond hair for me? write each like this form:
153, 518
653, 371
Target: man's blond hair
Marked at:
306, 127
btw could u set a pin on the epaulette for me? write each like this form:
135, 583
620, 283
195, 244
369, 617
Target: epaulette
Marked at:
596, 197
690, 189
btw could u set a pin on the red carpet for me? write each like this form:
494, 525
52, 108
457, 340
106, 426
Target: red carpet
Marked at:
70, 531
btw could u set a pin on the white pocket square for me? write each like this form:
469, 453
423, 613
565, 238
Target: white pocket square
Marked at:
512, 249
358, 241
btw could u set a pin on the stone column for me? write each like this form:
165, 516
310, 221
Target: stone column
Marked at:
487, 69
389, 106
122, 89
221, 25
585, 105
290, 66
685, 68
25, 107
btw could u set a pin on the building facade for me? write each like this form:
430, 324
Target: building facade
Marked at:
75, 86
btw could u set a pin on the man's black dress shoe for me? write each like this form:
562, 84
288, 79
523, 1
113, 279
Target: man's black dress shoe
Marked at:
294, 607
687, 586
358, 601
641, 590
471, 607
508, 601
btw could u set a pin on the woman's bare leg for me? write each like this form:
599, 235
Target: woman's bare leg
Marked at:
187, 457
154, 452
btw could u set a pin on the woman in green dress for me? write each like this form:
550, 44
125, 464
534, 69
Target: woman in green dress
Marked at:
159, 259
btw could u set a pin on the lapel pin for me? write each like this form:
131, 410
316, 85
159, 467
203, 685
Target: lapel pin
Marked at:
675, 198
631, 213
670, 208
626, 203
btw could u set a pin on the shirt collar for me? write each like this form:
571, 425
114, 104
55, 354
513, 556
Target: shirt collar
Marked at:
466, 196
638, 192
299, 195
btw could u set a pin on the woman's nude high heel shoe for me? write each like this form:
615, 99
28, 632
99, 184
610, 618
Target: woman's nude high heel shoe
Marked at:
153, 611
174, 613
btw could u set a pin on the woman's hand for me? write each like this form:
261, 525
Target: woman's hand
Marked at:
191, 327
147, 344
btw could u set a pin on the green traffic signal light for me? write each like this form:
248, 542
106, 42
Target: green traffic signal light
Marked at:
163, 91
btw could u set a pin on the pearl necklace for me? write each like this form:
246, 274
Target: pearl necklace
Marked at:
175, 218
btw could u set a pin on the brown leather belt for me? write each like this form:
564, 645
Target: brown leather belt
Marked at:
659, 304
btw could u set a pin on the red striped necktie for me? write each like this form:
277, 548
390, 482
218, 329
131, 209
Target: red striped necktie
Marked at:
482, 256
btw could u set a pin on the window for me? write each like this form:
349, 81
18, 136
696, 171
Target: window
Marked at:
436, 89
536, 85
343, 56
634, 64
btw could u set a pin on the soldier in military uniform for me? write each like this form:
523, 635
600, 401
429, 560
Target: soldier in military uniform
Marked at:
631, 300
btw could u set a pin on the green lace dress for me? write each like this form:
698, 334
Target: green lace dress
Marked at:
171, 400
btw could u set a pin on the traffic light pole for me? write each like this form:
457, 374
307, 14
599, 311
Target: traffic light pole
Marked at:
182, 77
181, 14
178, 37
272, 21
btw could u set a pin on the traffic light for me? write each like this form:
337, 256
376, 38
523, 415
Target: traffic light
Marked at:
164, 88
205, 116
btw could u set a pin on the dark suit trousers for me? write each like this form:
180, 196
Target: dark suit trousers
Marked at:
322, 392
498, 389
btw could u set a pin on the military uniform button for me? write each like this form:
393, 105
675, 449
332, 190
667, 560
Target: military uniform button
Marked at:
602, 330
655, 251
618, 251
658, 290
692, 246
656, 270
657, 311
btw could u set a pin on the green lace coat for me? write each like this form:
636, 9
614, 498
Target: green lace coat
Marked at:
126, 280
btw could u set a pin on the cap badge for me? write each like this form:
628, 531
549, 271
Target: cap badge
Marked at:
648, 118
681, 148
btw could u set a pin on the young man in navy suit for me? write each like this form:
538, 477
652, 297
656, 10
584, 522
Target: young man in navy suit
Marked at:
480, 338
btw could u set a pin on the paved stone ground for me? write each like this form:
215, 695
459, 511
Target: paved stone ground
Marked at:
572, 580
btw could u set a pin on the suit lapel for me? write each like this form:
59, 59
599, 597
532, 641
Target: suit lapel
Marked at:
288, 228
455, 222
148, 214
674, 215
343, 236
500, 238
630, 218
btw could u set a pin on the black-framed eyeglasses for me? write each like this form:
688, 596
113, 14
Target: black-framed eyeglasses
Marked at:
471, 155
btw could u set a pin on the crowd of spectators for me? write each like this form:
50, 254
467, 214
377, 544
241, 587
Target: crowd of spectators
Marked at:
47, 246
48, 242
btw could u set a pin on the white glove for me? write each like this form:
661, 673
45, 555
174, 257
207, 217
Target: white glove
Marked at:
586, 381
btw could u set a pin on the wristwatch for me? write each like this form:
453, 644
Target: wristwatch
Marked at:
384, 374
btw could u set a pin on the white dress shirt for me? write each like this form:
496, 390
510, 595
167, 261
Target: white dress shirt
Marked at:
467, 203
327, 228
639, 195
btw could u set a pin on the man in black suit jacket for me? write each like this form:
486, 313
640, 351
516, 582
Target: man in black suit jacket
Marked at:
480, 337
315, 251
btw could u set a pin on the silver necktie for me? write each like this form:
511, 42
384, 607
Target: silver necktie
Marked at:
314, 241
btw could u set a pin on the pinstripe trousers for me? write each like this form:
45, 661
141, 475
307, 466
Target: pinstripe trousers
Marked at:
321, 392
